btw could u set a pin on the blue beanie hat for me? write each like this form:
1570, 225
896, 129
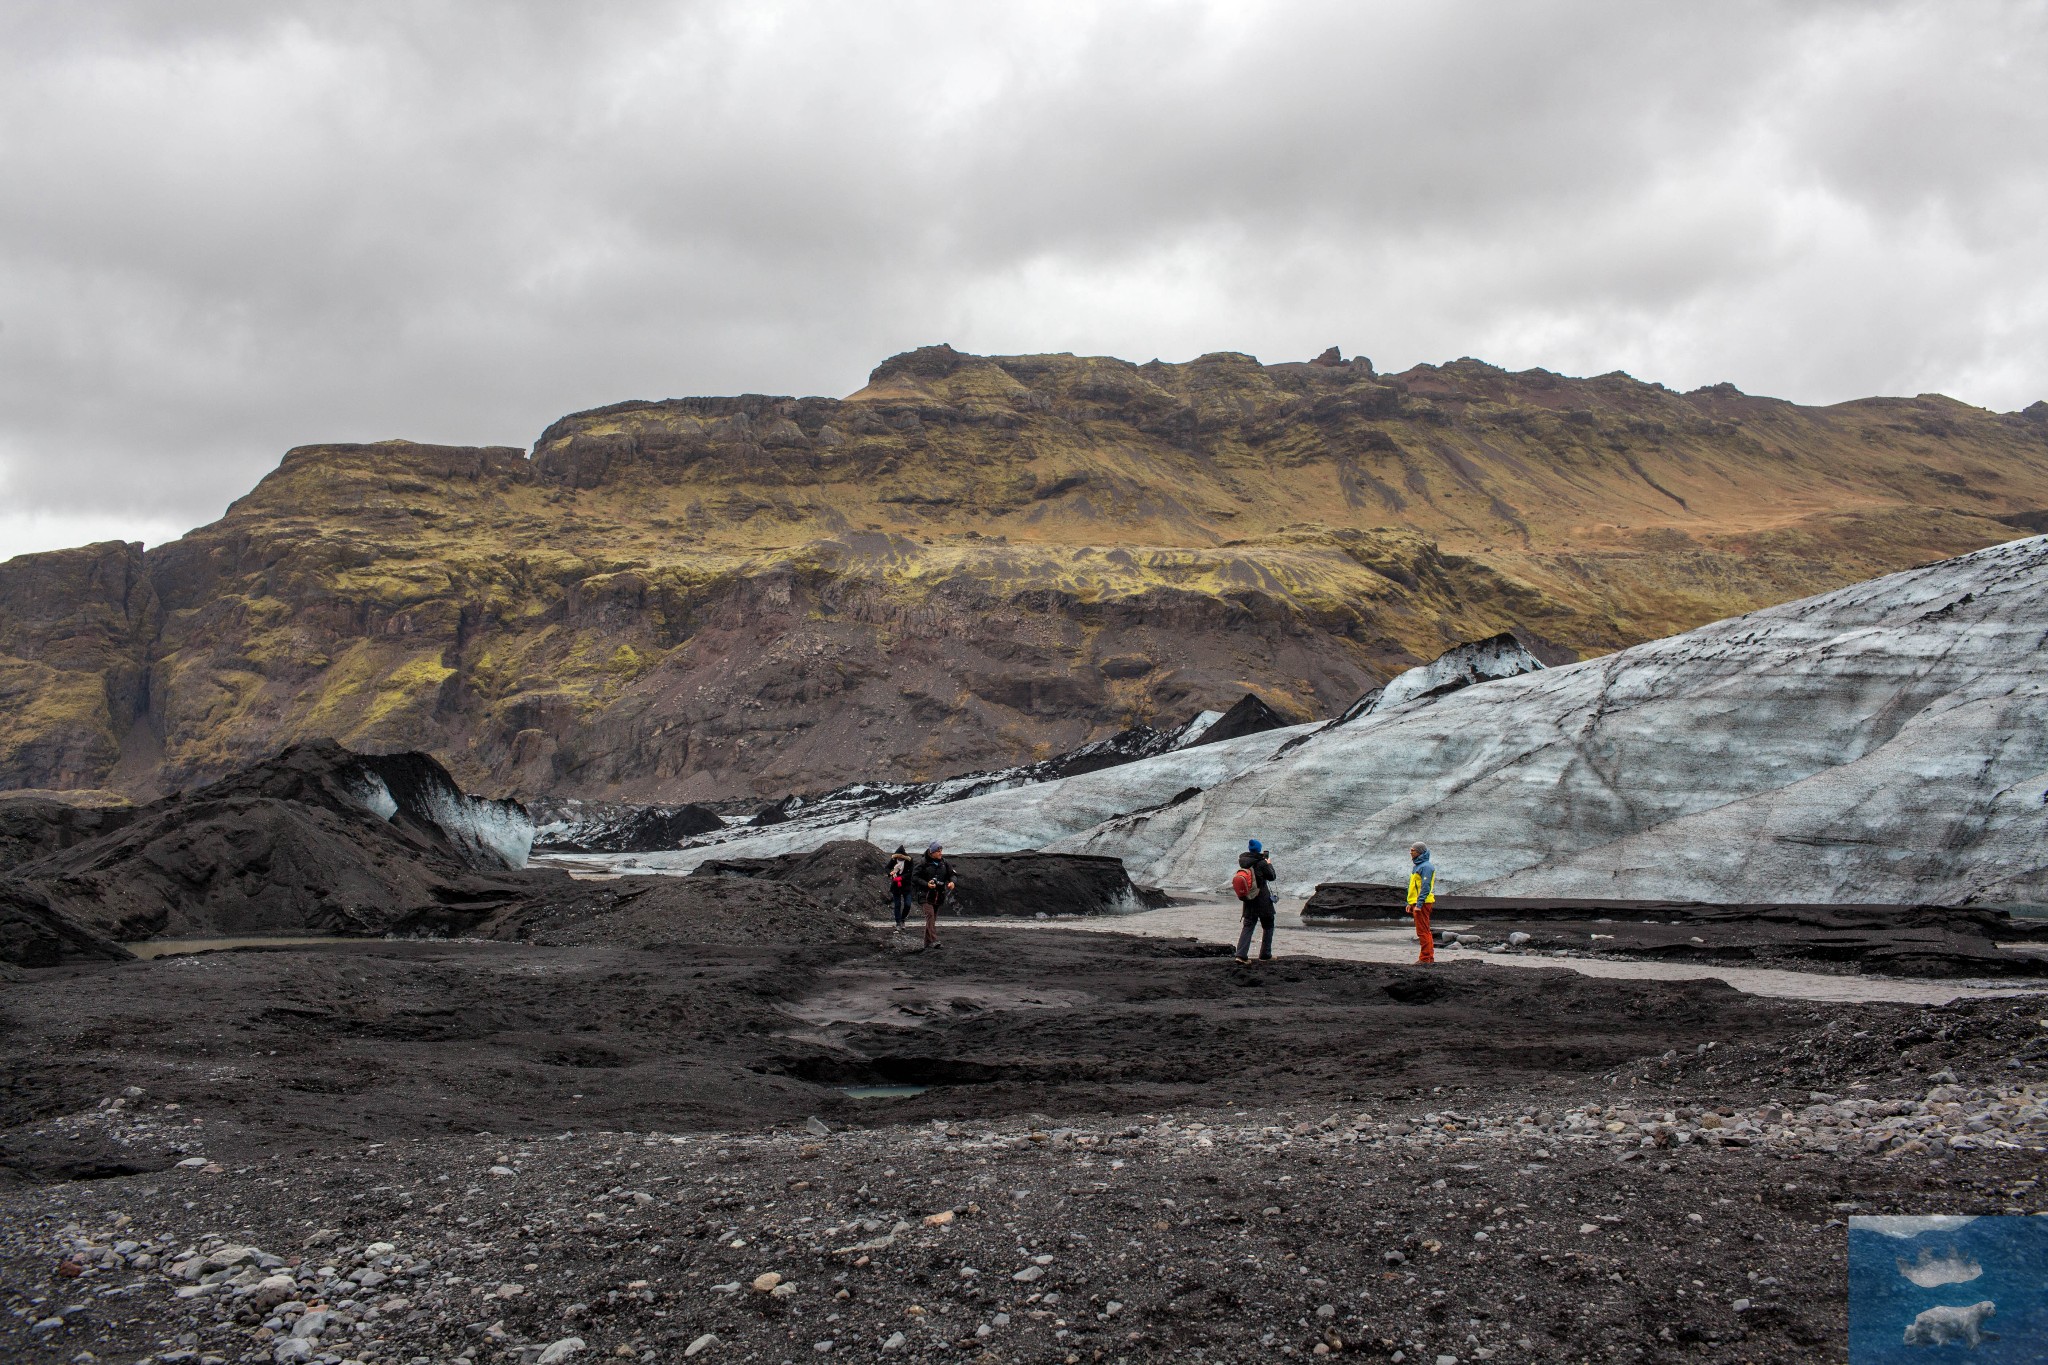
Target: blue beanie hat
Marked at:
1255, 846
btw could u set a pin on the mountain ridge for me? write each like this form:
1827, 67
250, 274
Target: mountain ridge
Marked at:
970, 562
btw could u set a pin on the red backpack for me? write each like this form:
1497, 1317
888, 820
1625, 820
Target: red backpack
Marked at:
1244, 884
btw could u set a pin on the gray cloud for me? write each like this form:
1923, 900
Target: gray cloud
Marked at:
231, 228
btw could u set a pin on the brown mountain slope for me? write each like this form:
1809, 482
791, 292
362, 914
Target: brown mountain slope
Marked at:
970, 561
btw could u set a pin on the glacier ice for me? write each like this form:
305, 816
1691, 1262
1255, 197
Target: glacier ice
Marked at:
375, 794
1881, 743
486, 833
499, 829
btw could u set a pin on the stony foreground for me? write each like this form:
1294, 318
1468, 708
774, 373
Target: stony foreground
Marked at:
1600, 1233
1684, 1202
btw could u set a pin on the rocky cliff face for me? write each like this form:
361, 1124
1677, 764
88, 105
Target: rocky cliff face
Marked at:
971, 562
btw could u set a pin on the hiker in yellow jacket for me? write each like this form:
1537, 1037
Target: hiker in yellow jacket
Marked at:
1422, 898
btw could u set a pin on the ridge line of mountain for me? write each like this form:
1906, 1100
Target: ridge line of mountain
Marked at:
972, 563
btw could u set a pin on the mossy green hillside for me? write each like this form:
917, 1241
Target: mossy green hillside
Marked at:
971, 560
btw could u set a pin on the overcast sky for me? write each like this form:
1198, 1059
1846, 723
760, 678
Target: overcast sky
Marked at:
231, 228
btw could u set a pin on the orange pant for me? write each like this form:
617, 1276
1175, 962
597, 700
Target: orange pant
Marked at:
1421, 913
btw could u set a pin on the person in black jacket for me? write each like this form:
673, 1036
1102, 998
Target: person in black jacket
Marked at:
934, 878
1258, 907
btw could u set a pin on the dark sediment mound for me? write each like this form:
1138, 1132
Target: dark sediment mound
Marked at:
609, 827
31, 826
249, 865
411, 792
776, 812
848, 874
653, 912
1462, 666
844, 875
318, 839
1356, 900
35, 933
1891, 940
1797, 940
1030, 884
1125, 746
1249, 716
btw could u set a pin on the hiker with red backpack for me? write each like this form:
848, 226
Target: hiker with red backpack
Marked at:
1253, 885
899, 885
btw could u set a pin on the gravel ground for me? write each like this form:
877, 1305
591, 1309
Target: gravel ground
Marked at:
1673, 1203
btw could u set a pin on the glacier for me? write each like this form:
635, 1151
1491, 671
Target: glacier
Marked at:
485, 833
1886, 742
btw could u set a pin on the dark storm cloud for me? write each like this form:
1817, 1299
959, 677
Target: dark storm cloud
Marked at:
230, 228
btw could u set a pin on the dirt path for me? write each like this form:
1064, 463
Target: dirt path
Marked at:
1218, 923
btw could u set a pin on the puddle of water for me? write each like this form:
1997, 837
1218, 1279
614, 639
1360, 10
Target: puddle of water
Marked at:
171, 947
881, 1092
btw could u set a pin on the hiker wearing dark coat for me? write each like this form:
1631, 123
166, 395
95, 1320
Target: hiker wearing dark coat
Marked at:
934, 878
899, 885
1258, 906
